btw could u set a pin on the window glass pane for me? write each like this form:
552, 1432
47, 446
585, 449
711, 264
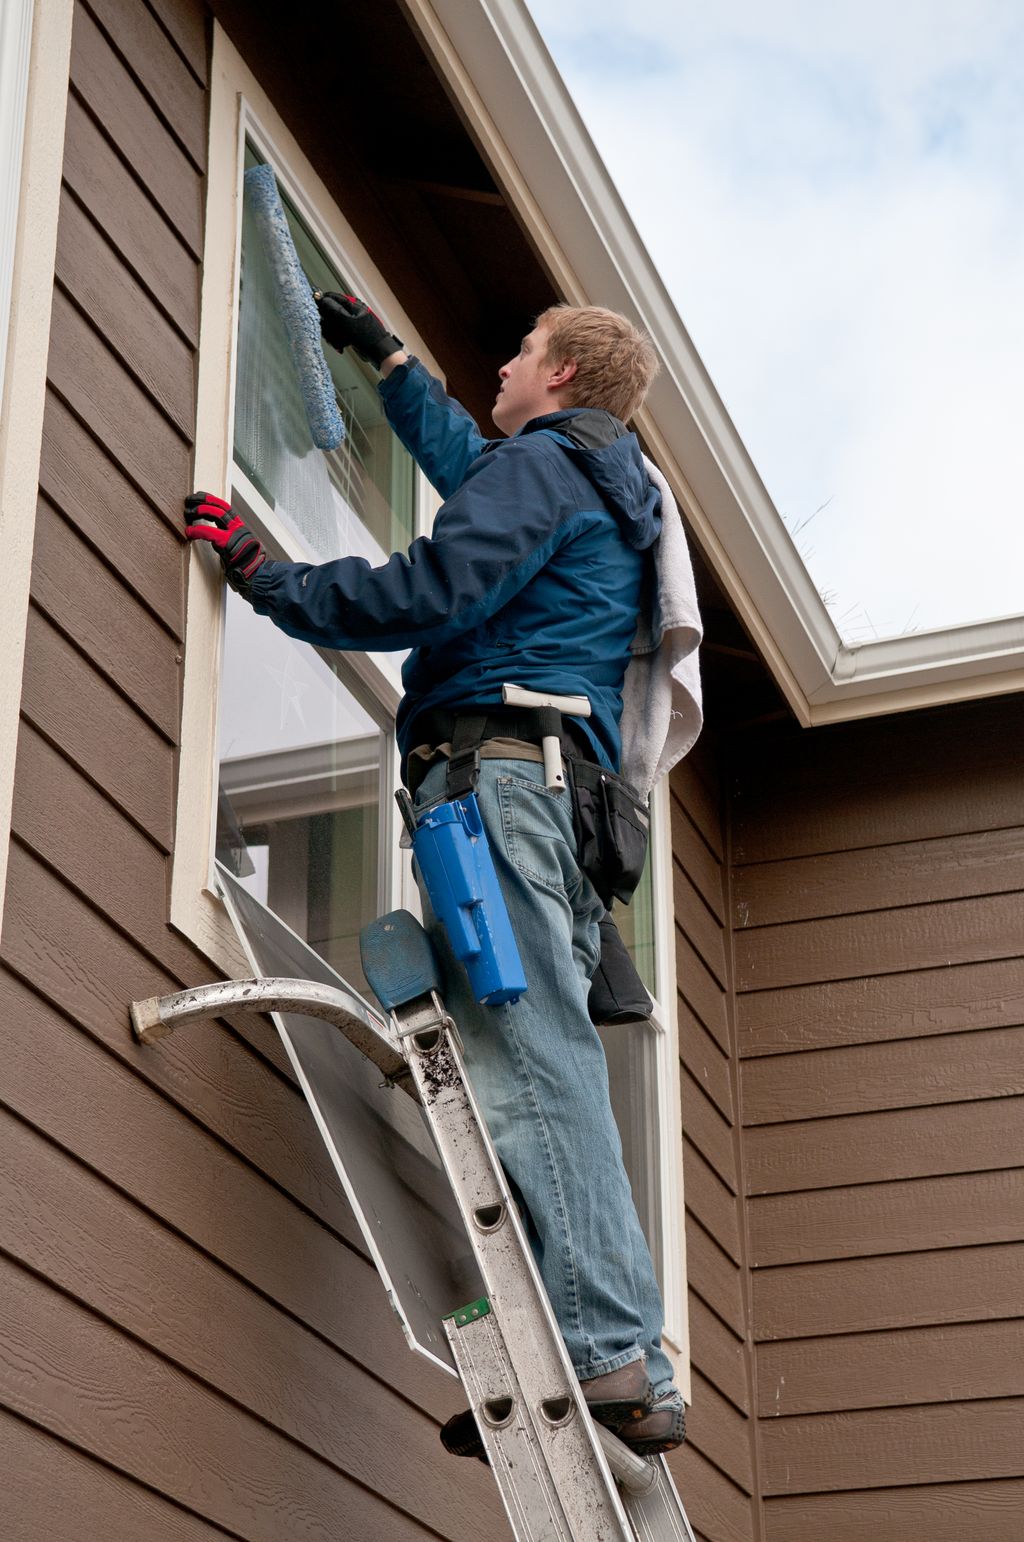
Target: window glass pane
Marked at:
631, 1051
299, 788
357, 499
636, 927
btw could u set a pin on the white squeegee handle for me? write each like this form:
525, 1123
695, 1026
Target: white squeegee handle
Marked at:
569, 706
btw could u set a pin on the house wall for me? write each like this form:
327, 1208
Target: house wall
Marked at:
876, 907
715, 1470
194, 1341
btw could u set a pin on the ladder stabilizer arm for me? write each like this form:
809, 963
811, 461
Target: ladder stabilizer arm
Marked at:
158, 1016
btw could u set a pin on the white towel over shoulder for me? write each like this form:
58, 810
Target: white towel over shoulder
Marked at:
661, 700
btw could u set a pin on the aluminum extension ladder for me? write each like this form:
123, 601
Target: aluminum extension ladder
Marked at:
562, 1478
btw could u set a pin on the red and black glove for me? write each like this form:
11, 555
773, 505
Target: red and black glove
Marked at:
210, 519
346, 321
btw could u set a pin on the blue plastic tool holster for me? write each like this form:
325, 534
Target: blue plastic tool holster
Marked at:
452, 852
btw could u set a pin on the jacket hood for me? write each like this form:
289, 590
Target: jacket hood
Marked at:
609, 456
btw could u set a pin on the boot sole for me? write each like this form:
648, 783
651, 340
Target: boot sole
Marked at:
460, 1436
615, 1414
669, 1434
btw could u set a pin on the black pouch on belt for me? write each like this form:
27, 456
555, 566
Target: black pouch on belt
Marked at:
617, 993
612, 828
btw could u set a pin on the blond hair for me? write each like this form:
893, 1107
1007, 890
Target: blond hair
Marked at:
615, 361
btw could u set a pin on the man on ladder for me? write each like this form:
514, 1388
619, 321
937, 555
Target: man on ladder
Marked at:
534, 574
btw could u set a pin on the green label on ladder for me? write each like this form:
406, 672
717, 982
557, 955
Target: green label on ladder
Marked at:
470, 1313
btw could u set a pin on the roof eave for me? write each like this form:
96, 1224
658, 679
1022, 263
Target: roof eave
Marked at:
516, 105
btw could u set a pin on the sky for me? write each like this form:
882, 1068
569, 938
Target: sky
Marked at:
834, 197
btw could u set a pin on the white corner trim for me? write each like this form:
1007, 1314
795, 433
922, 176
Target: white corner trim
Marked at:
15, 46
35, 53
494, 61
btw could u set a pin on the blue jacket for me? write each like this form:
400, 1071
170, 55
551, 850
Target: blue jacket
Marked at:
532, 575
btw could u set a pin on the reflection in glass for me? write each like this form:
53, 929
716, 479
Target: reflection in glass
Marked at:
299, 788
631, 1052
635, 922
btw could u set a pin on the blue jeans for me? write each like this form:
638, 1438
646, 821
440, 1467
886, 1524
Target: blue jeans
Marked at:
539, 1072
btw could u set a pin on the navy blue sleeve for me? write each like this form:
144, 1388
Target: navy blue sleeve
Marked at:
489, 540
437, 430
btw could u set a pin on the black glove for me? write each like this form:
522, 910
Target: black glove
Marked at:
345, 320
210, 519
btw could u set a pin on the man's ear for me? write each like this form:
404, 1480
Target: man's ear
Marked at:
559, 375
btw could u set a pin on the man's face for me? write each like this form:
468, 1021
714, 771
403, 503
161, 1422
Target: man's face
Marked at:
527, 389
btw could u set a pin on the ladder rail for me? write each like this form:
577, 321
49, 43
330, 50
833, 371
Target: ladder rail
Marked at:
540, 1364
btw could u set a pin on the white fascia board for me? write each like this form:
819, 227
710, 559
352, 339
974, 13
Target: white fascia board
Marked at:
499, 71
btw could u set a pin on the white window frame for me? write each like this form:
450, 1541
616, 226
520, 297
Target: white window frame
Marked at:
241, 110
665, 1021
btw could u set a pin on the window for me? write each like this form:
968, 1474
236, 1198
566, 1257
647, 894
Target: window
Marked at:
305, 746
298, 808
643, 1074
309, 772
631, 1051
289, 780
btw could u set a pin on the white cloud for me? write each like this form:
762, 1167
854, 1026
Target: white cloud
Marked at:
832, 196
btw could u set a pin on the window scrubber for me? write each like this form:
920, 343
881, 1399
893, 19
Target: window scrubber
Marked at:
294, 304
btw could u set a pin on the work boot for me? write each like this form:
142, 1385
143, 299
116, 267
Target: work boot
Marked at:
461, 1437
662, 1428
619, 1396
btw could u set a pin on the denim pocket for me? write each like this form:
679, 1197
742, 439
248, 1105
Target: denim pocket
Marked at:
537, 826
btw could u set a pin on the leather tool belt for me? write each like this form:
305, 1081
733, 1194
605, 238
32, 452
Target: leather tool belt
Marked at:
610, 821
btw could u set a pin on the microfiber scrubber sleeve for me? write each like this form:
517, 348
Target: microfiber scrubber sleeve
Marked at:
295, 305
